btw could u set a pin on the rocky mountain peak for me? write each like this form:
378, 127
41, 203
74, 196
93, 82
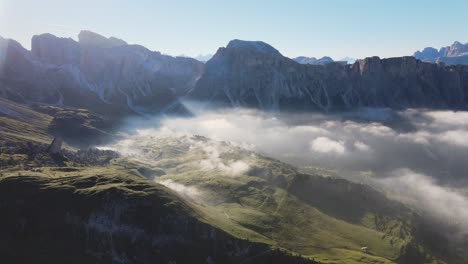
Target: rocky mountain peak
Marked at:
128, 79
54, 50
89, 38
8, 43
305, 60
457, 49
428, 53
457, 53
314, 61
252, 46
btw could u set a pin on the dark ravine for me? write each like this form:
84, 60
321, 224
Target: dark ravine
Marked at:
254, 74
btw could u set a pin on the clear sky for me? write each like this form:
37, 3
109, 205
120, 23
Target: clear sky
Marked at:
337, 28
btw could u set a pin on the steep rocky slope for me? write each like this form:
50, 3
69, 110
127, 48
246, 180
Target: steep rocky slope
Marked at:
105, 75
255, 74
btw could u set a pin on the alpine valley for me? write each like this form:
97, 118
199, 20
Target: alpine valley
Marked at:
113, 153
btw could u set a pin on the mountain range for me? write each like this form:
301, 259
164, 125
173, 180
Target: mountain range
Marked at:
113, 78
254, 74
102, 74
457, 53
322, 61
313, 61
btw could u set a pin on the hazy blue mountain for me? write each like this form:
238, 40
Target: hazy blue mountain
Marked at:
203, 58
313, 61
349, 60
457, 53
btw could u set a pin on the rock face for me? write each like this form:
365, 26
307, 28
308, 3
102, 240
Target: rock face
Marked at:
457, 53
255, 74
56, 145
103, 74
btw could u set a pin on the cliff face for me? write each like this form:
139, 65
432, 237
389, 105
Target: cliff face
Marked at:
103, 74
268, 80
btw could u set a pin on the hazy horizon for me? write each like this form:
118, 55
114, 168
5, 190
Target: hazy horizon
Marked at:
310, 28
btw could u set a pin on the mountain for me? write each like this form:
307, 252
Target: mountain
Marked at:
349, 60
254, 74
457, 53
113, 78
313, 61
106, 75
203, 58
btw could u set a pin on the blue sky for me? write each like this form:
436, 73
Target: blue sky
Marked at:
337, 28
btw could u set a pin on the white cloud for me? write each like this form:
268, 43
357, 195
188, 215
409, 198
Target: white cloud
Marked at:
431, 142
214, 162
424, 193
448, 118
455, 137
362, 146
328, 146
187, 192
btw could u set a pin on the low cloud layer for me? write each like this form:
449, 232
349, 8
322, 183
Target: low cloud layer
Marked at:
213, 161
327, 145
432, 142
417, 155
424, 193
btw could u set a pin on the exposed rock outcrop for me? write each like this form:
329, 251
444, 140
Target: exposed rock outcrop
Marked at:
256, 75
56, 145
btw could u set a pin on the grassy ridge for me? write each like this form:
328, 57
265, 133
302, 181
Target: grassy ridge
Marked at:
21, 123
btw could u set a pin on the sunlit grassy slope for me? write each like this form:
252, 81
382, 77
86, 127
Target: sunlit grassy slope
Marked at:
107, 215
21, 123
264, 200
